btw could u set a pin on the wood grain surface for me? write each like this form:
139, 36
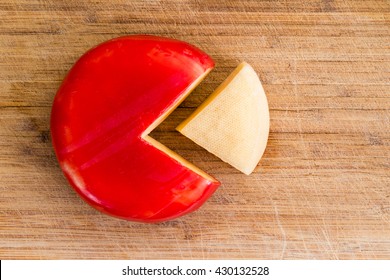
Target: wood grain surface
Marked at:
322, 189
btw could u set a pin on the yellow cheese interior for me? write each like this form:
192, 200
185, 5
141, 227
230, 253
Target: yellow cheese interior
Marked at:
233, 123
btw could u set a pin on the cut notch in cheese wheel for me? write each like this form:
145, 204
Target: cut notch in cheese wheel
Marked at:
233, 122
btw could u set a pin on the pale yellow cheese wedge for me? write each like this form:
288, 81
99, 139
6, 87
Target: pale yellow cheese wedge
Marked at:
233, 123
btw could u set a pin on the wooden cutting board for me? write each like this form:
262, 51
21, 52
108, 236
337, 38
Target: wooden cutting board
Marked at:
322, 189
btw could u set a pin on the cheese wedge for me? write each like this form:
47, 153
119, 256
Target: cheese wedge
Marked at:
233, 123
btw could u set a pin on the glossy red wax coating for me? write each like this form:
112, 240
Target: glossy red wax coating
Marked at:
112, 94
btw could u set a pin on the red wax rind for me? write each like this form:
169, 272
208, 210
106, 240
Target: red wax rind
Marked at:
111, 95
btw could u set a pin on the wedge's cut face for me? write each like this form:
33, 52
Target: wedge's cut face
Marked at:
233, 123
110, 100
